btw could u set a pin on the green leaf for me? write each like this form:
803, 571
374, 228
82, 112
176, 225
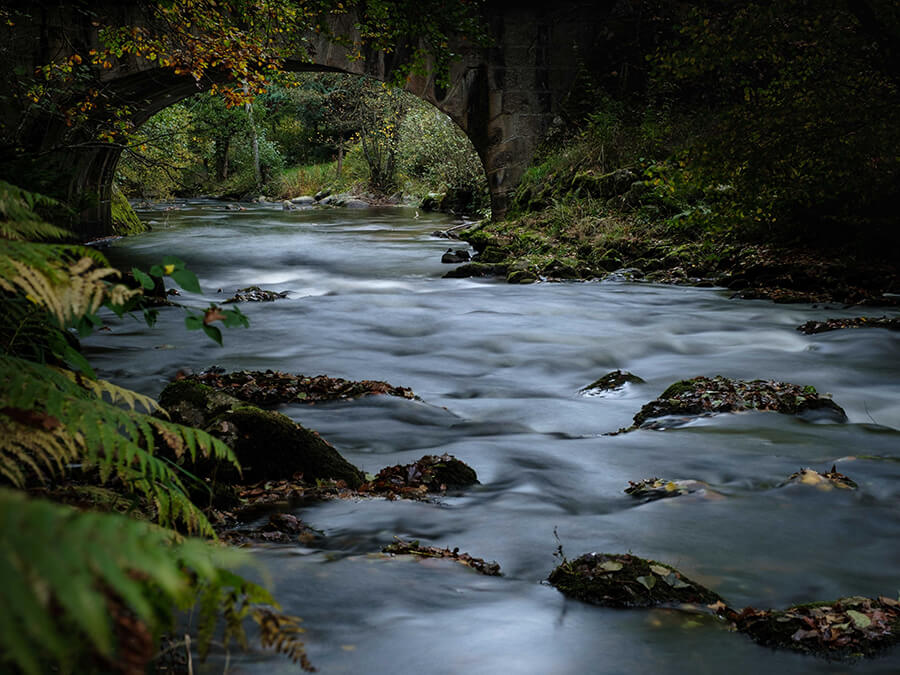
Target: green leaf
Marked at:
157, 271
193, 322
860, 620
214, 333
144, 279
611, 566
150, 316
75, 359
660, 570
647, 582
172, 260
187, 280
234, 318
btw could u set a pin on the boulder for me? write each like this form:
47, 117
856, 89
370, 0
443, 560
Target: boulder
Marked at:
355, 203
454, 257
268, 445
431, 473
710, 395
625, 580
303, 201
844, 628
476, 269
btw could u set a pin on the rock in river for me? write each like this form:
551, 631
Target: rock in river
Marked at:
709, 395
268, 445
625, 580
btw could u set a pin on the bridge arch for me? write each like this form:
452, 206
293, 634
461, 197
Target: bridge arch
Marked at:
503, 97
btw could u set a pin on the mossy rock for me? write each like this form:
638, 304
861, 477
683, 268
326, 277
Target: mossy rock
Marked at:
612, 381
272, 446
476, 270
492, 254
709, 395
194, 404
559, 269
625, 580
267, 444
124, 220
846, 628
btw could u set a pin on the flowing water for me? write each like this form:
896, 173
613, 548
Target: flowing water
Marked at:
498, 369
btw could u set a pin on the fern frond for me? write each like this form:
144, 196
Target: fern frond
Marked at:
27, 442
18, 219
50, 420
68, 293
54, 560
26, 330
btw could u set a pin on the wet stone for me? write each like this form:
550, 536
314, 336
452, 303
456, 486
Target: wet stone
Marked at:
651, 489
401, 547
823, 481
625, 581
711, 395
430, 474
255, 294
273, 387
847, 628
812, 327
613, 381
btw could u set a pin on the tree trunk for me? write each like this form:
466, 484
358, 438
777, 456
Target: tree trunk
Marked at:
254, 139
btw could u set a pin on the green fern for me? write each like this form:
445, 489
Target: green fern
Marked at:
18, 219
65, 572
51, 418
53, 614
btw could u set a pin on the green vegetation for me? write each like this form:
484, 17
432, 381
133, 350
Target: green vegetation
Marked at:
85, 590
724, 139
313, 131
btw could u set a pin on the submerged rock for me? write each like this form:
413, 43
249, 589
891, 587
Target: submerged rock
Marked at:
476, 269
823, 481
613, 381
255, 294
812, 327
281, 528
846, 628
625, 580
651, 489
452, 257
268, 445
709, 395
400, 547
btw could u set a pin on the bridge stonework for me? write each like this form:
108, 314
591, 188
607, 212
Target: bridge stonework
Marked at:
503, 96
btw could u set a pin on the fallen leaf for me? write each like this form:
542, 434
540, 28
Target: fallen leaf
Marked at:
860, 620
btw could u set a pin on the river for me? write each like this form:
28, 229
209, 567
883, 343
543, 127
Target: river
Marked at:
498, 368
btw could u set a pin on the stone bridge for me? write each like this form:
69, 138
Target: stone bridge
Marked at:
503, 96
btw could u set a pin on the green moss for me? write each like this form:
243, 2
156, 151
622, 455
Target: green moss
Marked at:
614, 380
679, 388
124, 220
272, 446
267, 444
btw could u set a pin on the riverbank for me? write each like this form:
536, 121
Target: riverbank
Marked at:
537, 247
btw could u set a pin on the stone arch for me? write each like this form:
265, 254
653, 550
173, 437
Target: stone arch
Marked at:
503, 96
